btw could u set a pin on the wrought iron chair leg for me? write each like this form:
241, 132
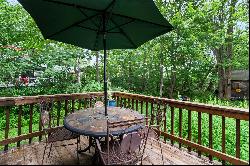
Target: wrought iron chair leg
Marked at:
44, 151
50, 149
90, 142
77, 147
162, 157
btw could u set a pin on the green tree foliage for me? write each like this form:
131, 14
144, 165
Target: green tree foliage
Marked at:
180, 62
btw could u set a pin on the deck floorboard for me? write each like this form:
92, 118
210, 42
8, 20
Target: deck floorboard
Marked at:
64, 153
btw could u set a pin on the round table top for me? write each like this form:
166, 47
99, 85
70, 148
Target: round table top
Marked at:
93, 122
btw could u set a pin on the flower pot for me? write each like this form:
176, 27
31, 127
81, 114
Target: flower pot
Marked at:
111, 103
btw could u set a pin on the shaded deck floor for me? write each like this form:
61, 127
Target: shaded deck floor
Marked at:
66, 155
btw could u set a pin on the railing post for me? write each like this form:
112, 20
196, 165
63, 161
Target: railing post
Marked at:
7, 127
189, 128
147, 113
237, 138
199, 131
19, 128
210, 135
172, 123
180, 125
223, 138
31, 121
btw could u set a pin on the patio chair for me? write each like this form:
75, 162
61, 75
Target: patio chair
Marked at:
120, 152
150, 130
54, 134
99, 104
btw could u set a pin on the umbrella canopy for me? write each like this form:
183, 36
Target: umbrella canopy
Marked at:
98, 24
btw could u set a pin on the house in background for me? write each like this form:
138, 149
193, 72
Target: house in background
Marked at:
240, 84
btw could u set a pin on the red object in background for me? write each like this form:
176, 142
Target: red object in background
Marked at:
24, 79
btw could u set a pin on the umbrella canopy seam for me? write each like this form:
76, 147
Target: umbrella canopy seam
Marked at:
101, 11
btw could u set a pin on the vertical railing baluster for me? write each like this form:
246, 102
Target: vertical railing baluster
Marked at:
238, 138
141, 107
129, 106
172, 123
152, 113
79, 104
19, 123
223, 138
66, 107
165, 122
7, 127
85, 103
210, 135
73, 106
90, 102
133, 104
31, 121
117, 101
40, 122
147, 113
136, 105
59, 106
125, 103
189, 128
180, 125
121, 101
199, 131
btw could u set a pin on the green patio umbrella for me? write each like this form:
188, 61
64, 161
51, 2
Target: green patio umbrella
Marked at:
98, 24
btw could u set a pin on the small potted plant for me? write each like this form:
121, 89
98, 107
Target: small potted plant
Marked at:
111, 101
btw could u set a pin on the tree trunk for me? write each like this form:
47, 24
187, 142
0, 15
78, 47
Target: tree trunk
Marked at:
78, 70
97, 67
224, 54
229, 51
172, 84
161, 70
219, 58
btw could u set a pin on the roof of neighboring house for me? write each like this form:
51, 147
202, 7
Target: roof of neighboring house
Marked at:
240, 75
12, 47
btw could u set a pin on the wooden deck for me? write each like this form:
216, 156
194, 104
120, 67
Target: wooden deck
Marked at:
64, 153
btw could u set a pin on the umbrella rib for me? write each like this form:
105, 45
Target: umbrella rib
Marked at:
122, 31
87, 16
87, 28
120, 25
112, 3
149, 22
76, 23
96, 10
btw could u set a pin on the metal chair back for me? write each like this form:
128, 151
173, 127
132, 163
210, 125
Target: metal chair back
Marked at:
45, 111
129, 142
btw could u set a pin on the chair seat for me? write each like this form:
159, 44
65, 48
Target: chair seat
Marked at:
61, 134
116, 157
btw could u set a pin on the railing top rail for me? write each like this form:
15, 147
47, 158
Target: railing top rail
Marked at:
238, 113
20, 100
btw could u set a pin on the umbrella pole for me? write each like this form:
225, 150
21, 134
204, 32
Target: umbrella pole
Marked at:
105, 63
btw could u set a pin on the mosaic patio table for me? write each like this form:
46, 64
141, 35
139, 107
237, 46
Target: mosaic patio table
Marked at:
92, 122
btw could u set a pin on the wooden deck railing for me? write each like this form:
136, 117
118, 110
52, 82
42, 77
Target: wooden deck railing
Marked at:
146, 104
66, 103
28, 105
